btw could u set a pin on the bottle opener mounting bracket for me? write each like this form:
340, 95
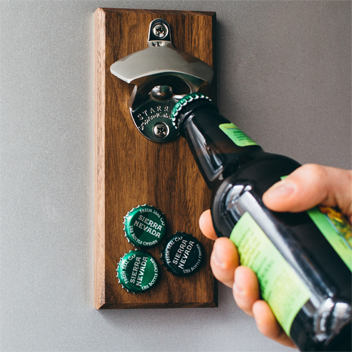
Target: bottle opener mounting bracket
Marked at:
161, 75
145, 61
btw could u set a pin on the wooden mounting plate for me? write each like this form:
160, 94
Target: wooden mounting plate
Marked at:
130, 170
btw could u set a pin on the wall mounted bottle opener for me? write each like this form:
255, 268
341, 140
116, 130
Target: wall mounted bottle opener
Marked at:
159, 57
162, 75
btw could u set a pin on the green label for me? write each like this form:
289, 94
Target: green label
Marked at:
279, 284
335, 229
236, 135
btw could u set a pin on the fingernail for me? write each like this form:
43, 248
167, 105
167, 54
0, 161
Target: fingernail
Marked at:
237, 288
217, 259
281, 189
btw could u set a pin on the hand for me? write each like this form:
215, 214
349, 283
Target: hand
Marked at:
305, 188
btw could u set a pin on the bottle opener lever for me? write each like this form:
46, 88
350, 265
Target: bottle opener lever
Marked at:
162, 75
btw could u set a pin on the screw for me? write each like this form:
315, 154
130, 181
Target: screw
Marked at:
160, 30
161, 130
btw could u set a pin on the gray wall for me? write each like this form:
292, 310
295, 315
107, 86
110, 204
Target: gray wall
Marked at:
284, 76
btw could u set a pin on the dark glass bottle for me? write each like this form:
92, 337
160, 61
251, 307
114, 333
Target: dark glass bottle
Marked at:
302, 277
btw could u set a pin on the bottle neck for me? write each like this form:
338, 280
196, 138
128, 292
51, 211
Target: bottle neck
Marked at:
217, 145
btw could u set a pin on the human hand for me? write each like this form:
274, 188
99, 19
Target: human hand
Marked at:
305, 188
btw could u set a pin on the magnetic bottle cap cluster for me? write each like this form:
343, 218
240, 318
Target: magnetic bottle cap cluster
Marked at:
182, 255
137, 271
144, 226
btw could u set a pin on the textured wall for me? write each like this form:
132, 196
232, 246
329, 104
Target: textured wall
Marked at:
284, 76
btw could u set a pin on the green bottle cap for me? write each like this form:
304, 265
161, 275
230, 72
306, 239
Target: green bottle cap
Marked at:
137, 271
144, 226
182, 255
183, 102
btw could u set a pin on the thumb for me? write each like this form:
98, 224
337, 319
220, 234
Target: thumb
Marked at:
309, 186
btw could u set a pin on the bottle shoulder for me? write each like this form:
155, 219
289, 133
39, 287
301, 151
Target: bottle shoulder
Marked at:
258, 171
256, 166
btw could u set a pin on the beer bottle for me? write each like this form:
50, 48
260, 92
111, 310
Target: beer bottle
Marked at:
303, 261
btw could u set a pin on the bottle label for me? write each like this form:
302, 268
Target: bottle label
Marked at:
280, 286
336, 229
236, 135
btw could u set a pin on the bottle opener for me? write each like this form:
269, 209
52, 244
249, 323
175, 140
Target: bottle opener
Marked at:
162, 75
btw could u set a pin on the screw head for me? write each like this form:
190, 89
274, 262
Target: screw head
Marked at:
161, 130
160, 30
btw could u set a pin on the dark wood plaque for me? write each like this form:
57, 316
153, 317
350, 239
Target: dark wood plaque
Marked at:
131, 171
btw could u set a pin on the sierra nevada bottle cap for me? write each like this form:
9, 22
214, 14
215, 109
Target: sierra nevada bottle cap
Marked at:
182, 255
144, 226
137, 271
186, 100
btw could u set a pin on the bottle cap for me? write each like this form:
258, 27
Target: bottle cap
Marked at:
144, 226
137, 271
183, 102
182, 255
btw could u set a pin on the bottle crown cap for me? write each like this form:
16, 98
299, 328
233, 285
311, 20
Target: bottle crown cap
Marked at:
182, 254
144, 226
182, 103
137, 271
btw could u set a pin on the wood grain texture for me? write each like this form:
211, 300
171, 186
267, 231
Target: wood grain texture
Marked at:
130, 170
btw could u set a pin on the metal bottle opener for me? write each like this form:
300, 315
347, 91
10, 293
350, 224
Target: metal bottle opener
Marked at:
162, 75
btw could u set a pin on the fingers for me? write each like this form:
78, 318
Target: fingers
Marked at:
225, 266
224, 260
245, 289
267, 324
224, 263
206, 225
309, 186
